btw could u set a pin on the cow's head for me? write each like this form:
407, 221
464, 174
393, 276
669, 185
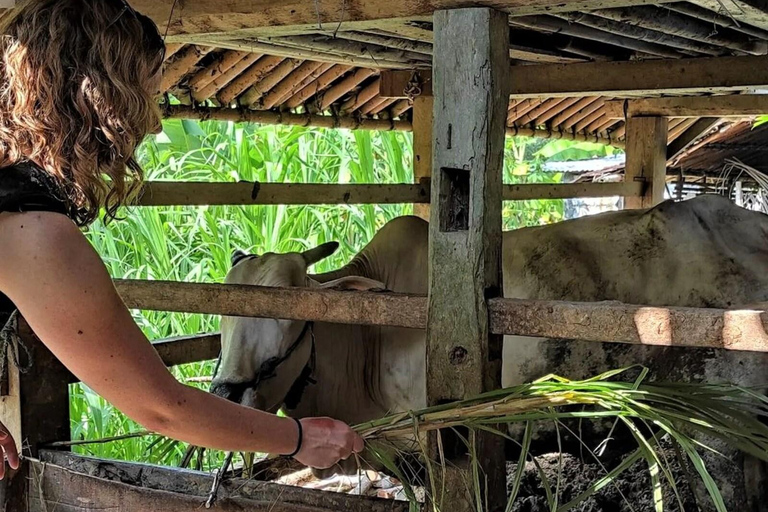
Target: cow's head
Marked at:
263, 358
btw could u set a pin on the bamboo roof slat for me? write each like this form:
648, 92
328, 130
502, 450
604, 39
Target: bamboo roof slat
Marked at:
310, 79
397, 43
546, 116
541, 109
400, 108
253, 74
594, 126
671, 23
289, 83
363, 96
701, 13
319, 85
582, 114
343, 87
567, 113
588, 120
263, 86
372, 105
221, 81
181, 64
557, 25
521, 109
221, 65
381, 109
690, 47
171, 49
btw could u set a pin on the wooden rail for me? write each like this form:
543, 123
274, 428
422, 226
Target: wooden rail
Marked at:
601, 321
159, 193
65, 481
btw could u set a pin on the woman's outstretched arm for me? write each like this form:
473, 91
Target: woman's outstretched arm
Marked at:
61, 287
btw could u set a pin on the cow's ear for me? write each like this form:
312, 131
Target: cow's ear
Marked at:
238, 256
354, 283
320, 252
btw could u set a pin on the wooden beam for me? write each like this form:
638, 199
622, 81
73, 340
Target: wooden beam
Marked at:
683, 76
646, 159
745, 330
75, 483
363, 308
170, 193
422, 147
281, 118
242, 18
471, 68
403, 84
694, 327
696, 130
734, 105
160, 193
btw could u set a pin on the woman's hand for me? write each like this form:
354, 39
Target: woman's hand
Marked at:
326, 442
9, 450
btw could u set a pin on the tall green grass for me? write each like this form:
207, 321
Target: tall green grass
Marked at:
195, 244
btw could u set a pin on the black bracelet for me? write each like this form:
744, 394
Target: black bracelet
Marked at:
301, 438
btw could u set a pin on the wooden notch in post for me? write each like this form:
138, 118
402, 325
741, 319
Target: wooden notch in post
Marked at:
471, 68
646, 159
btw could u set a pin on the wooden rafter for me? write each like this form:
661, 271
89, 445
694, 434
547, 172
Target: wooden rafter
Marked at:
243, 18
703, 106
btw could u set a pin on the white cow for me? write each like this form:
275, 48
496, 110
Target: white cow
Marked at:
705, 252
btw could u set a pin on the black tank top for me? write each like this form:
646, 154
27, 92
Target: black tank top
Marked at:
25, 187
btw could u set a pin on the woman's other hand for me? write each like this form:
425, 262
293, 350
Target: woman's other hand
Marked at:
10, 453
326, 441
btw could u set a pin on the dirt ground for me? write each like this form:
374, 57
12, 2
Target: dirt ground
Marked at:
631, 492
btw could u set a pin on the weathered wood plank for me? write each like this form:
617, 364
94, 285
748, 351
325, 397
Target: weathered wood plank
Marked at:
745, 330
239, 18
364, 308
36, 409
646, 159
689, 76
471, 68
735, 105
422, 146
159, 193
71, 483
400, 84
625, 323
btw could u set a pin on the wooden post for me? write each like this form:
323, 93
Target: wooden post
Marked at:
646, 159
37, 408
422, 146
471, 76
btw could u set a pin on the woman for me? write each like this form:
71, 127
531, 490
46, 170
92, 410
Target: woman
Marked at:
79, 80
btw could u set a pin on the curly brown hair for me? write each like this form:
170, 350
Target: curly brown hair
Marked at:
74, 98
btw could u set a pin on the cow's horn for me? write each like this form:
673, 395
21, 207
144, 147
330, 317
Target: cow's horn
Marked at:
320, 252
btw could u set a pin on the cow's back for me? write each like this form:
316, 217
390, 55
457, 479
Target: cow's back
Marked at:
704, 252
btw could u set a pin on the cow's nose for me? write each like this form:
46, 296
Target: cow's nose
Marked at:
228, 391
